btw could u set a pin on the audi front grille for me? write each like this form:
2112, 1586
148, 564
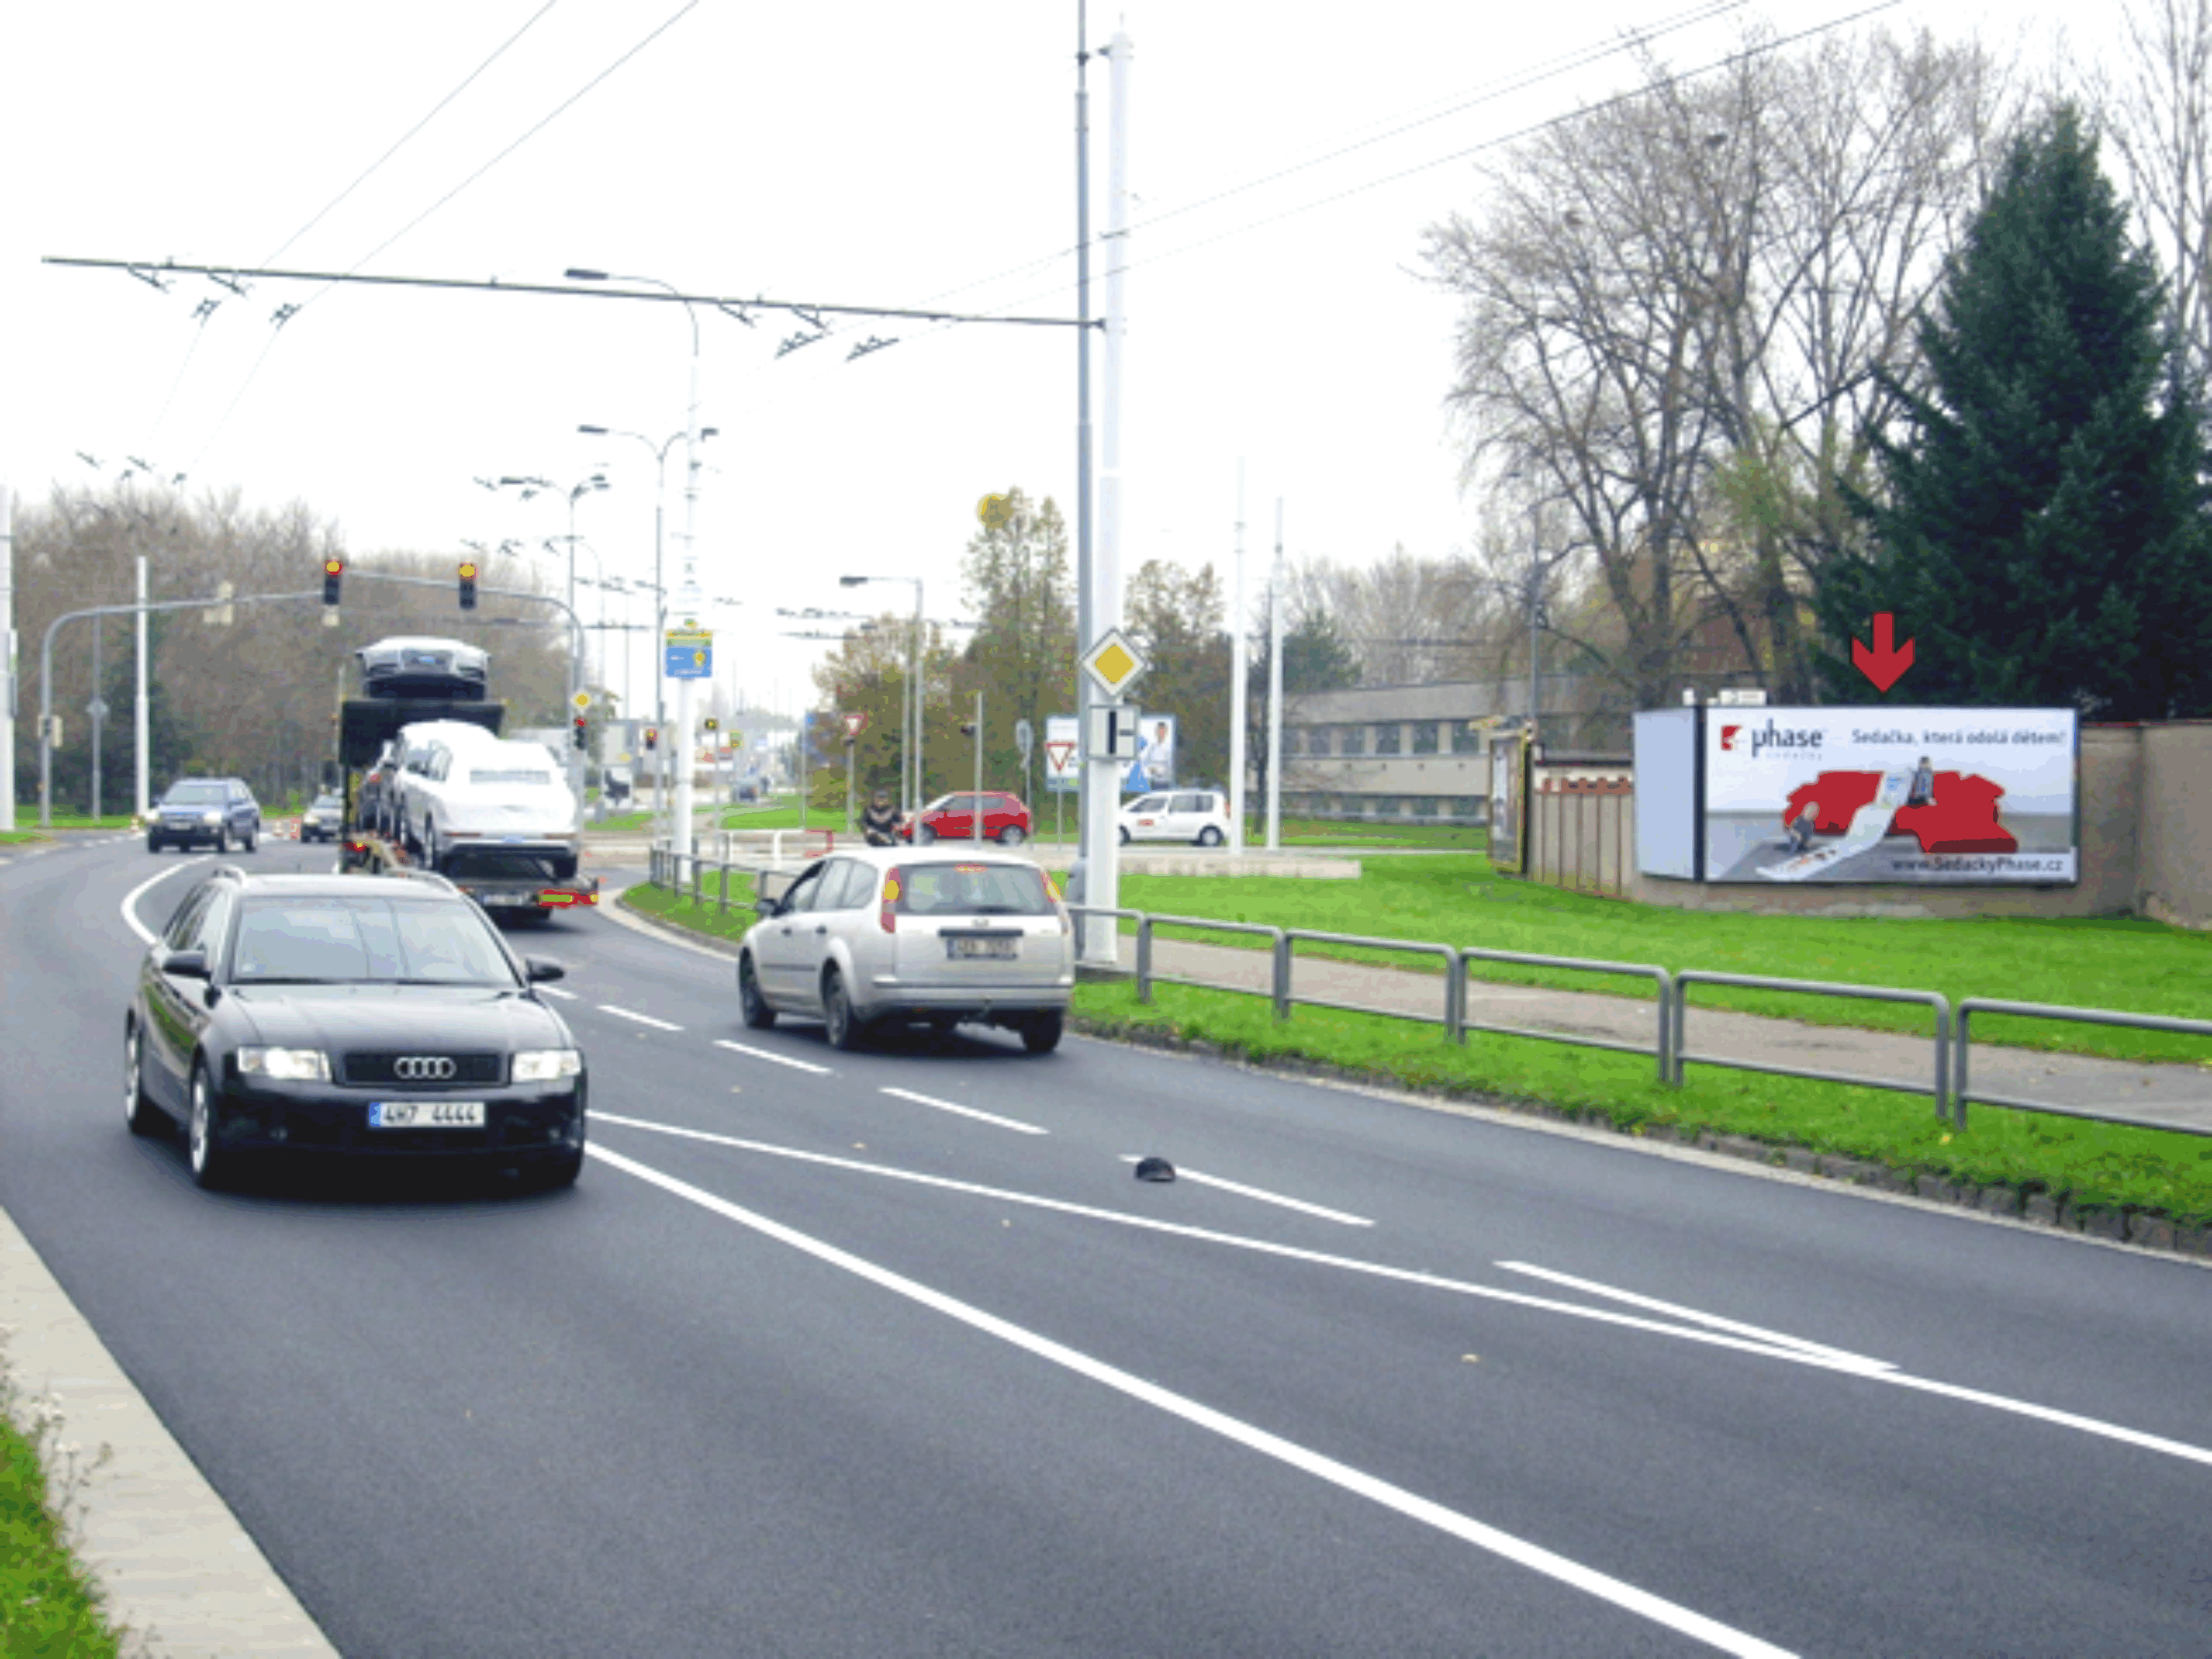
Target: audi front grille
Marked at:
421, 1069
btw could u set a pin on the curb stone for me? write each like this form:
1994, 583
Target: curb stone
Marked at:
2140, 1230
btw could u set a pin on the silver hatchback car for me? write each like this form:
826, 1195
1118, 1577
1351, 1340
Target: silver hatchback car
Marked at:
880, 936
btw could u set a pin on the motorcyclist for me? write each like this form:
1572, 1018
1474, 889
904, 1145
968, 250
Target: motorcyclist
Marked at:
879, 821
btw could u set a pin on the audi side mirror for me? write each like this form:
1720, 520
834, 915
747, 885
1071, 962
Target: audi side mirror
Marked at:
186, 964
537, 969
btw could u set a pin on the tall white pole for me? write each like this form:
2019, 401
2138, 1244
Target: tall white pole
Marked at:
920, 695
1102, 773
689, 603
142, 798
8, 676
1239, 711
1275, 690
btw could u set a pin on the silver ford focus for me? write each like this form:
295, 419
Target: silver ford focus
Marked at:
880, 936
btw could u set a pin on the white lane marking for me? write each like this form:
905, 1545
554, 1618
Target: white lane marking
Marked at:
1592, 1287
1873, 1370
642, 1020
967, 1111
146, 935
1243, 1191
765, 1053
555, 991
1504, 1544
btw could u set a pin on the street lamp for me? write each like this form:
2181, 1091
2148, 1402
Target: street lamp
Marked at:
916, 696
687, 593
659, 454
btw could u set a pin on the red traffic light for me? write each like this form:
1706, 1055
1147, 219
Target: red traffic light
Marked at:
652, 737
332, 569
579, 729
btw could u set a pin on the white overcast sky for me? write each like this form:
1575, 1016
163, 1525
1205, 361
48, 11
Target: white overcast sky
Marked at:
869, 153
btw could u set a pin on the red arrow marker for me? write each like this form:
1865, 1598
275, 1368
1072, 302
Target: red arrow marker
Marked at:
1884, 665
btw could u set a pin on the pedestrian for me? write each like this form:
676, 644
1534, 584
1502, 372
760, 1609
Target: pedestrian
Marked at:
1921, 790
879, 822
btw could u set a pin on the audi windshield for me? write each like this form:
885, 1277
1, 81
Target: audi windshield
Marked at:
367, 941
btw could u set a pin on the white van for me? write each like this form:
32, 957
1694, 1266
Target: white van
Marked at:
1197, 816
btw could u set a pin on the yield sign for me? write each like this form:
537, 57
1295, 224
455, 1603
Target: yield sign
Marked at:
1059, 758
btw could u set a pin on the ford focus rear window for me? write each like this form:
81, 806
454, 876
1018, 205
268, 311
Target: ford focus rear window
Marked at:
973, 890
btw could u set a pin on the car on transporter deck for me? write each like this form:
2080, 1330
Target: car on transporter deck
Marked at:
877, 936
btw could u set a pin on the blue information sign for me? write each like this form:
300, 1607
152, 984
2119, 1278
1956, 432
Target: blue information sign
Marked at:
690, 656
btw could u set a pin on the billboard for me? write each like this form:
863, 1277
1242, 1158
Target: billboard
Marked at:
1508, 800
1874, 794
1154, 767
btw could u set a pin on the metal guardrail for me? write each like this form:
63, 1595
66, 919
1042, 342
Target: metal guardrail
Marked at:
1961, 1090
1146, 976
1662, 1050
1455, 1014
1935, 999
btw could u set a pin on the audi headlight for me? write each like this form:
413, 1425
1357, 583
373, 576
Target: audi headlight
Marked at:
286, 1065
210, 817
544, 1064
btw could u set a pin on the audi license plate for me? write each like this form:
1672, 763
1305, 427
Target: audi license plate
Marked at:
426, 1114
959, 949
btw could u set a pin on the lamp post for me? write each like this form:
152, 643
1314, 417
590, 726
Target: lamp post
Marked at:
688, 595
659, 454
914, 676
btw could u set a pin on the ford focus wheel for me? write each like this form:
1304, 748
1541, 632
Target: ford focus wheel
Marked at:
750, 1003
843, 1029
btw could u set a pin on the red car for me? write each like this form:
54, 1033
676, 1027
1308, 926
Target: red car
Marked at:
952, 817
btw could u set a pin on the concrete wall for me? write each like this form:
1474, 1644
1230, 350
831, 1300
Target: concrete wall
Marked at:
2174, 879
2146, 805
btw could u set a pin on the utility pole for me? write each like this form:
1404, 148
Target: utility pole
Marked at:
1239, 695
1275, 690
7, 658
141, 721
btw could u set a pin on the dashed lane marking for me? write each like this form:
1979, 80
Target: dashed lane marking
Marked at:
967, 1111
1264, 1197
642, 1020
767, 1054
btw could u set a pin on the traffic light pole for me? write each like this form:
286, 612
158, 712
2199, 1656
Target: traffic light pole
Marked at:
46, 670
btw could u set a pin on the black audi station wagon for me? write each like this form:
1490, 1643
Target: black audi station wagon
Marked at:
369, 1016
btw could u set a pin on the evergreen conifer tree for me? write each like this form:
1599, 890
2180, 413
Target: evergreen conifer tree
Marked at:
2040, 530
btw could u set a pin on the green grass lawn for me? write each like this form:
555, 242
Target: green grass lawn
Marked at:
1410, 834
711, 917
2119, 962
49, 1607
2069, 1160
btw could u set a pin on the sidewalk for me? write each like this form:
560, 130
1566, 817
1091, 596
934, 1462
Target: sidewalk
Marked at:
178, 1568
2175, 1096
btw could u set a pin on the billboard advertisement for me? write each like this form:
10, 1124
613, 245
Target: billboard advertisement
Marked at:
1154, 767
1873, 794
1508, 800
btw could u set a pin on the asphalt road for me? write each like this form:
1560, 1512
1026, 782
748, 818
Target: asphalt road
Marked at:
888, 1354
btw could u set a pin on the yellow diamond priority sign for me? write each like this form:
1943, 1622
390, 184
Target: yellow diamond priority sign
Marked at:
1113, 664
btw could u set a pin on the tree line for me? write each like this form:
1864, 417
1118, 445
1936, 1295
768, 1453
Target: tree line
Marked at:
251, 694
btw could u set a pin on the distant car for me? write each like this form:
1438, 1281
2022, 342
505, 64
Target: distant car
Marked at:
374, 1017
882, 936
952, 817
214, 811
1198, 816
412, 666
324, 819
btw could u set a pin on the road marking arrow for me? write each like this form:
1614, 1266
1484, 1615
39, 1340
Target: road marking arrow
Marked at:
1884, 665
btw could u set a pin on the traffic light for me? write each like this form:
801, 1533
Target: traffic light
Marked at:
578, 729
332, 569
468, 584
711, 724
652, 737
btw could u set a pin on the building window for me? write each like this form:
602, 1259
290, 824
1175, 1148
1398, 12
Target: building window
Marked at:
1466, 740
1317, 740
1425, 738
1355, 740
1387, 739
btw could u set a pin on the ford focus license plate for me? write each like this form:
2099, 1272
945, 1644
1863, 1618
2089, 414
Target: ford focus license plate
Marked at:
426, 1114
999, 948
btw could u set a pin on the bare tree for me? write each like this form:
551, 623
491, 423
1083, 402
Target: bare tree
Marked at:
2160, 123
1680, 309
